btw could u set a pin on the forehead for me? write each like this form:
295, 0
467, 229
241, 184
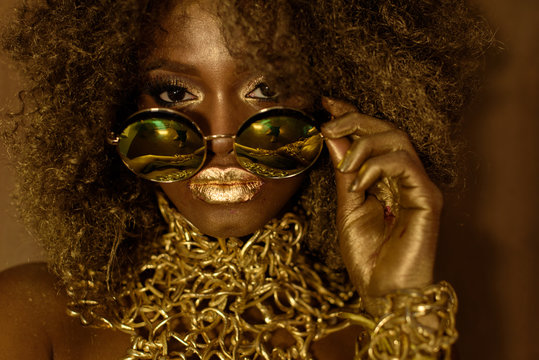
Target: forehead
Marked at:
192, 31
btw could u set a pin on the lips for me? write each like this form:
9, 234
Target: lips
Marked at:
225, 186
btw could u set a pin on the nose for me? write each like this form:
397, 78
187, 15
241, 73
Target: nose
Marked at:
220, 120
220, 144
221, 129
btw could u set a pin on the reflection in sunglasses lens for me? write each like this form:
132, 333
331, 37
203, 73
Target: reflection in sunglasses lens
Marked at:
163, 150
278, 146
164, 146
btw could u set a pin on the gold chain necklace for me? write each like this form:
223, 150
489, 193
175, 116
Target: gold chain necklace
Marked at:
202, 298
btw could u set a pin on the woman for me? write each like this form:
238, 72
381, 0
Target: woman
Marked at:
251, 266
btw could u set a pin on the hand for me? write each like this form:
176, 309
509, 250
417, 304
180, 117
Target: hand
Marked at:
388, 209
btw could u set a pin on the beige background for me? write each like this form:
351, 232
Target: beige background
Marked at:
488, 248
16, 245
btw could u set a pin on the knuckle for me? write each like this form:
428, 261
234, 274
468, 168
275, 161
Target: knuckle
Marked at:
433, 195
404, 157
401, 135
363, 148
365, 142
369, 165
350, 117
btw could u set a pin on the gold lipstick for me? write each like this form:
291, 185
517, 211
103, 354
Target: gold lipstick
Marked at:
225, 186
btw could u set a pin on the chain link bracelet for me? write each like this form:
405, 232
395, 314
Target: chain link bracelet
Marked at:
417, 324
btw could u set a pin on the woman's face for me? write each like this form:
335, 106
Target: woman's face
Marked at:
191, 70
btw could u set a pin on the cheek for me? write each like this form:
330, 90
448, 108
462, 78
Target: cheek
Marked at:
279, 192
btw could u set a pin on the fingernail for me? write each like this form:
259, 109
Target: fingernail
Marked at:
353, 188
354, 185
344, 164
360, 196
336, 151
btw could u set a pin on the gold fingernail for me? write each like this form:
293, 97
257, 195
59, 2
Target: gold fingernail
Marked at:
344, 164
353, 185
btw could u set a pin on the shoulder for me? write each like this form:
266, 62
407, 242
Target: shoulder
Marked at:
34, 323
28, 300
27, 277
31, 288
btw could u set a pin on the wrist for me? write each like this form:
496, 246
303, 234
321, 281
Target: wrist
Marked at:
411, 324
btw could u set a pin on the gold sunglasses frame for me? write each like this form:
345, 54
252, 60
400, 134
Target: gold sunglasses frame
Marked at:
114, 139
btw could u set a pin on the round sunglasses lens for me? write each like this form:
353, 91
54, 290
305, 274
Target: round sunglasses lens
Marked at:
278, 143
162, 147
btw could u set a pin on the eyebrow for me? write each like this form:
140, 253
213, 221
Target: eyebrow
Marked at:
170, 65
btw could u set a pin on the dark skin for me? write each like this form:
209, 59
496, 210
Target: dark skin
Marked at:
35, 324
194, 73
381, 256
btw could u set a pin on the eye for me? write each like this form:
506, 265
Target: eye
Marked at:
168, 91
171, 94
262, 92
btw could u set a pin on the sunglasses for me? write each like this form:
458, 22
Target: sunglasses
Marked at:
164, 145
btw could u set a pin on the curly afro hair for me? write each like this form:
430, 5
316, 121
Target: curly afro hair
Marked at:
414, 63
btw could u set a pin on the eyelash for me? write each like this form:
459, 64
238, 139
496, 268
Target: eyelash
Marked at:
155, 87
260, 85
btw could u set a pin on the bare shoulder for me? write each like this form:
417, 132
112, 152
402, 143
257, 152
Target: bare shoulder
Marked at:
34, 323
27, 299
26, 282
27, 290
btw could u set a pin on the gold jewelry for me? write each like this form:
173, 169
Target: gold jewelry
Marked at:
403, 333
262, 298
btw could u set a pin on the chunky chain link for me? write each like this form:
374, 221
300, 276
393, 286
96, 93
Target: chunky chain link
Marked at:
417, 324
260, 298
202, 298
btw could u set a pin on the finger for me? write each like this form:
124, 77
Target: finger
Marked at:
368, 146
337, 150
337, 107
338, 147
399, 165
354, 123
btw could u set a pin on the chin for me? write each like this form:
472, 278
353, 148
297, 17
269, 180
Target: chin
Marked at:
228, 220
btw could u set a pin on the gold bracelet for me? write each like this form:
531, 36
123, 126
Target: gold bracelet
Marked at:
402, 332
